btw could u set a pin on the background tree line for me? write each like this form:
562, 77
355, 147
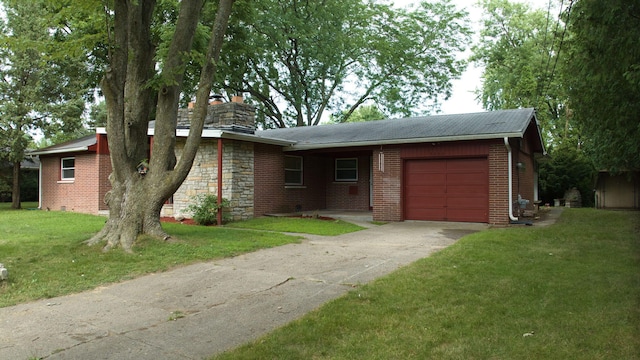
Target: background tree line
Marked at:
577, 63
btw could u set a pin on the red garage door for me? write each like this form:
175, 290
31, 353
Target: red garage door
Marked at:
447, 190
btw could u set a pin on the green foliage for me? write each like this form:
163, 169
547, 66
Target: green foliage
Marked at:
298, 59
572, 287
41, 88
603, 78
566, 168
521, 49
363, 113
205, 209
98, 115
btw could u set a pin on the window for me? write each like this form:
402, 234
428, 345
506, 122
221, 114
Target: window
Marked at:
68, 168
293, 170
347, 169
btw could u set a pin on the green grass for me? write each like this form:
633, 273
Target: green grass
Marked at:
46, 257
298, 225
25, 205
574, 285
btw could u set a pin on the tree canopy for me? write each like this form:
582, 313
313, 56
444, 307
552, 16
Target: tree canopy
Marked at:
603, 78
579, 65
41, 88
300, 59
521, 50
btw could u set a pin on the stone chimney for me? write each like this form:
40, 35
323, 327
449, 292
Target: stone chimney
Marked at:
232, 116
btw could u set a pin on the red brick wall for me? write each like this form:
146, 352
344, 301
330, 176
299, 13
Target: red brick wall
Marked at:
387, 191
104, 185
387, 185
498, 185
269, 192
81, 194
349, 195
312, 195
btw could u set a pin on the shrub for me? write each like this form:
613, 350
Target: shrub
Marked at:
205, 208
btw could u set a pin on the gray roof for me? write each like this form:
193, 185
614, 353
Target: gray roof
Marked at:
81, 144
474, 126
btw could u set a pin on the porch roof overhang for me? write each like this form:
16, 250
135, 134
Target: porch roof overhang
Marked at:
78, 145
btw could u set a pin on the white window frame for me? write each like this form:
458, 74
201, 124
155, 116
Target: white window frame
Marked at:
338, 169
63, 169
299, 170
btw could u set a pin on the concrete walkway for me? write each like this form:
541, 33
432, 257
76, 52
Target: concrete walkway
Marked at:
197, 311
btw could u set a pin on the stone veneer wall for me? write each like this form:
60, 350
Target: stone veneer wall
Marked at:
237, 178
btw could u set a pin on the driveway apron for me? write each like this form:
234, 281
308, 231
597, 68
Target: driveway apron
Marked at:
196, 311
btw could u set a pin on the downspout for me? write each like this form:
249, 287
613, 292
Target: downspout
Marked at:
40, 186
510, 164
219, 214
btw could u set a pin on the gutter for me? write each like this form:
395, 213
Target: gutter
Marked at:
60, 151
222, 134
510, 164
40, 186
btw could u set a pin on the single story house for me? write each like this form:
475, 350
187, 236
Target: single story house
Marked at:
466, 167
617, 191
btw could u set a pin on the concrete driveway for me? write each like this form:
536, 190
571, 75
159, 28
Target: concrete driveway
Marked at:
200, 310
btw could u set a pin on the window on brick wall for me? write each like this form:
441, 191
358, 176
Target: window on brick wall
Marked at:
293, 170
68, 168
347, 169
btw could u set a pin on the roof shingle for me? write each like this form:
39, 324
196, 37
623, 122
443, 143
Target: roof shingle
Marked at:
482, 125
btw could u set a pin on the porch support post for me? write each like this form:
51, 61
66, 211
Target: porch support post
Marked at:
219, 215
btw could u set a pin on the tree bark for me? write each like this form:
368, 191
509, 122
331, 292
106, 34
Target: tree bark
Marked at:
135, 200
15, 192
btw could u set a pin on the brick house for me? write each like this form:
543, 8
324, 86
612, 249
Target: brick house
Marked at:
467, 167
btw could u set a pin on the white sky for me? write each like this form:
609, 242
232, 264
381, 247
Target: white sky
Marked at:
463, 99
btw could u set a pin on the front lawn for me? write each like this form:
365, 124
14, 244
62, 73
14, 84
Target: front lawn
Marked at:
567, 291
46, 257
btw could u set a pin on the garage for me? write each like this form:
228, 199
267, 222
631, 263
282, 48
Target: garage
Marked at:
447, 190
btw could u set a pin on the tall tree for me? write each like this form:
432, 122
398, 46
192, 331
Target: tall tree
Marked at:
300, 59
133, 90
40, 89
604, 80
521, 50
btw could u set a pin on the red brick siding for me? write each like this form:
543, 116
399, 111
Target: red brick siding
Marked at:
387, 180
269, 192
498, 185
349, 195
445, 150
80, 195
104, 185
311, 195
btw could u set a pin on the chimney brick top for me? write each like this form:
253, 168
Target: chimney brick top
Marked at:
234, 116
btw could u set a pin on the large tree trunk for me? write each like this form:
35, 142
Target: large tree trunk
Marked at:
136, 199
15, 192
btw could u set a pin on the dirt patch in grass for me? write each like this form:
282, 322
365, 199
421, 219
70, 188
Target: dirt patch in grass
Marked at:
183, 221
312, 217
